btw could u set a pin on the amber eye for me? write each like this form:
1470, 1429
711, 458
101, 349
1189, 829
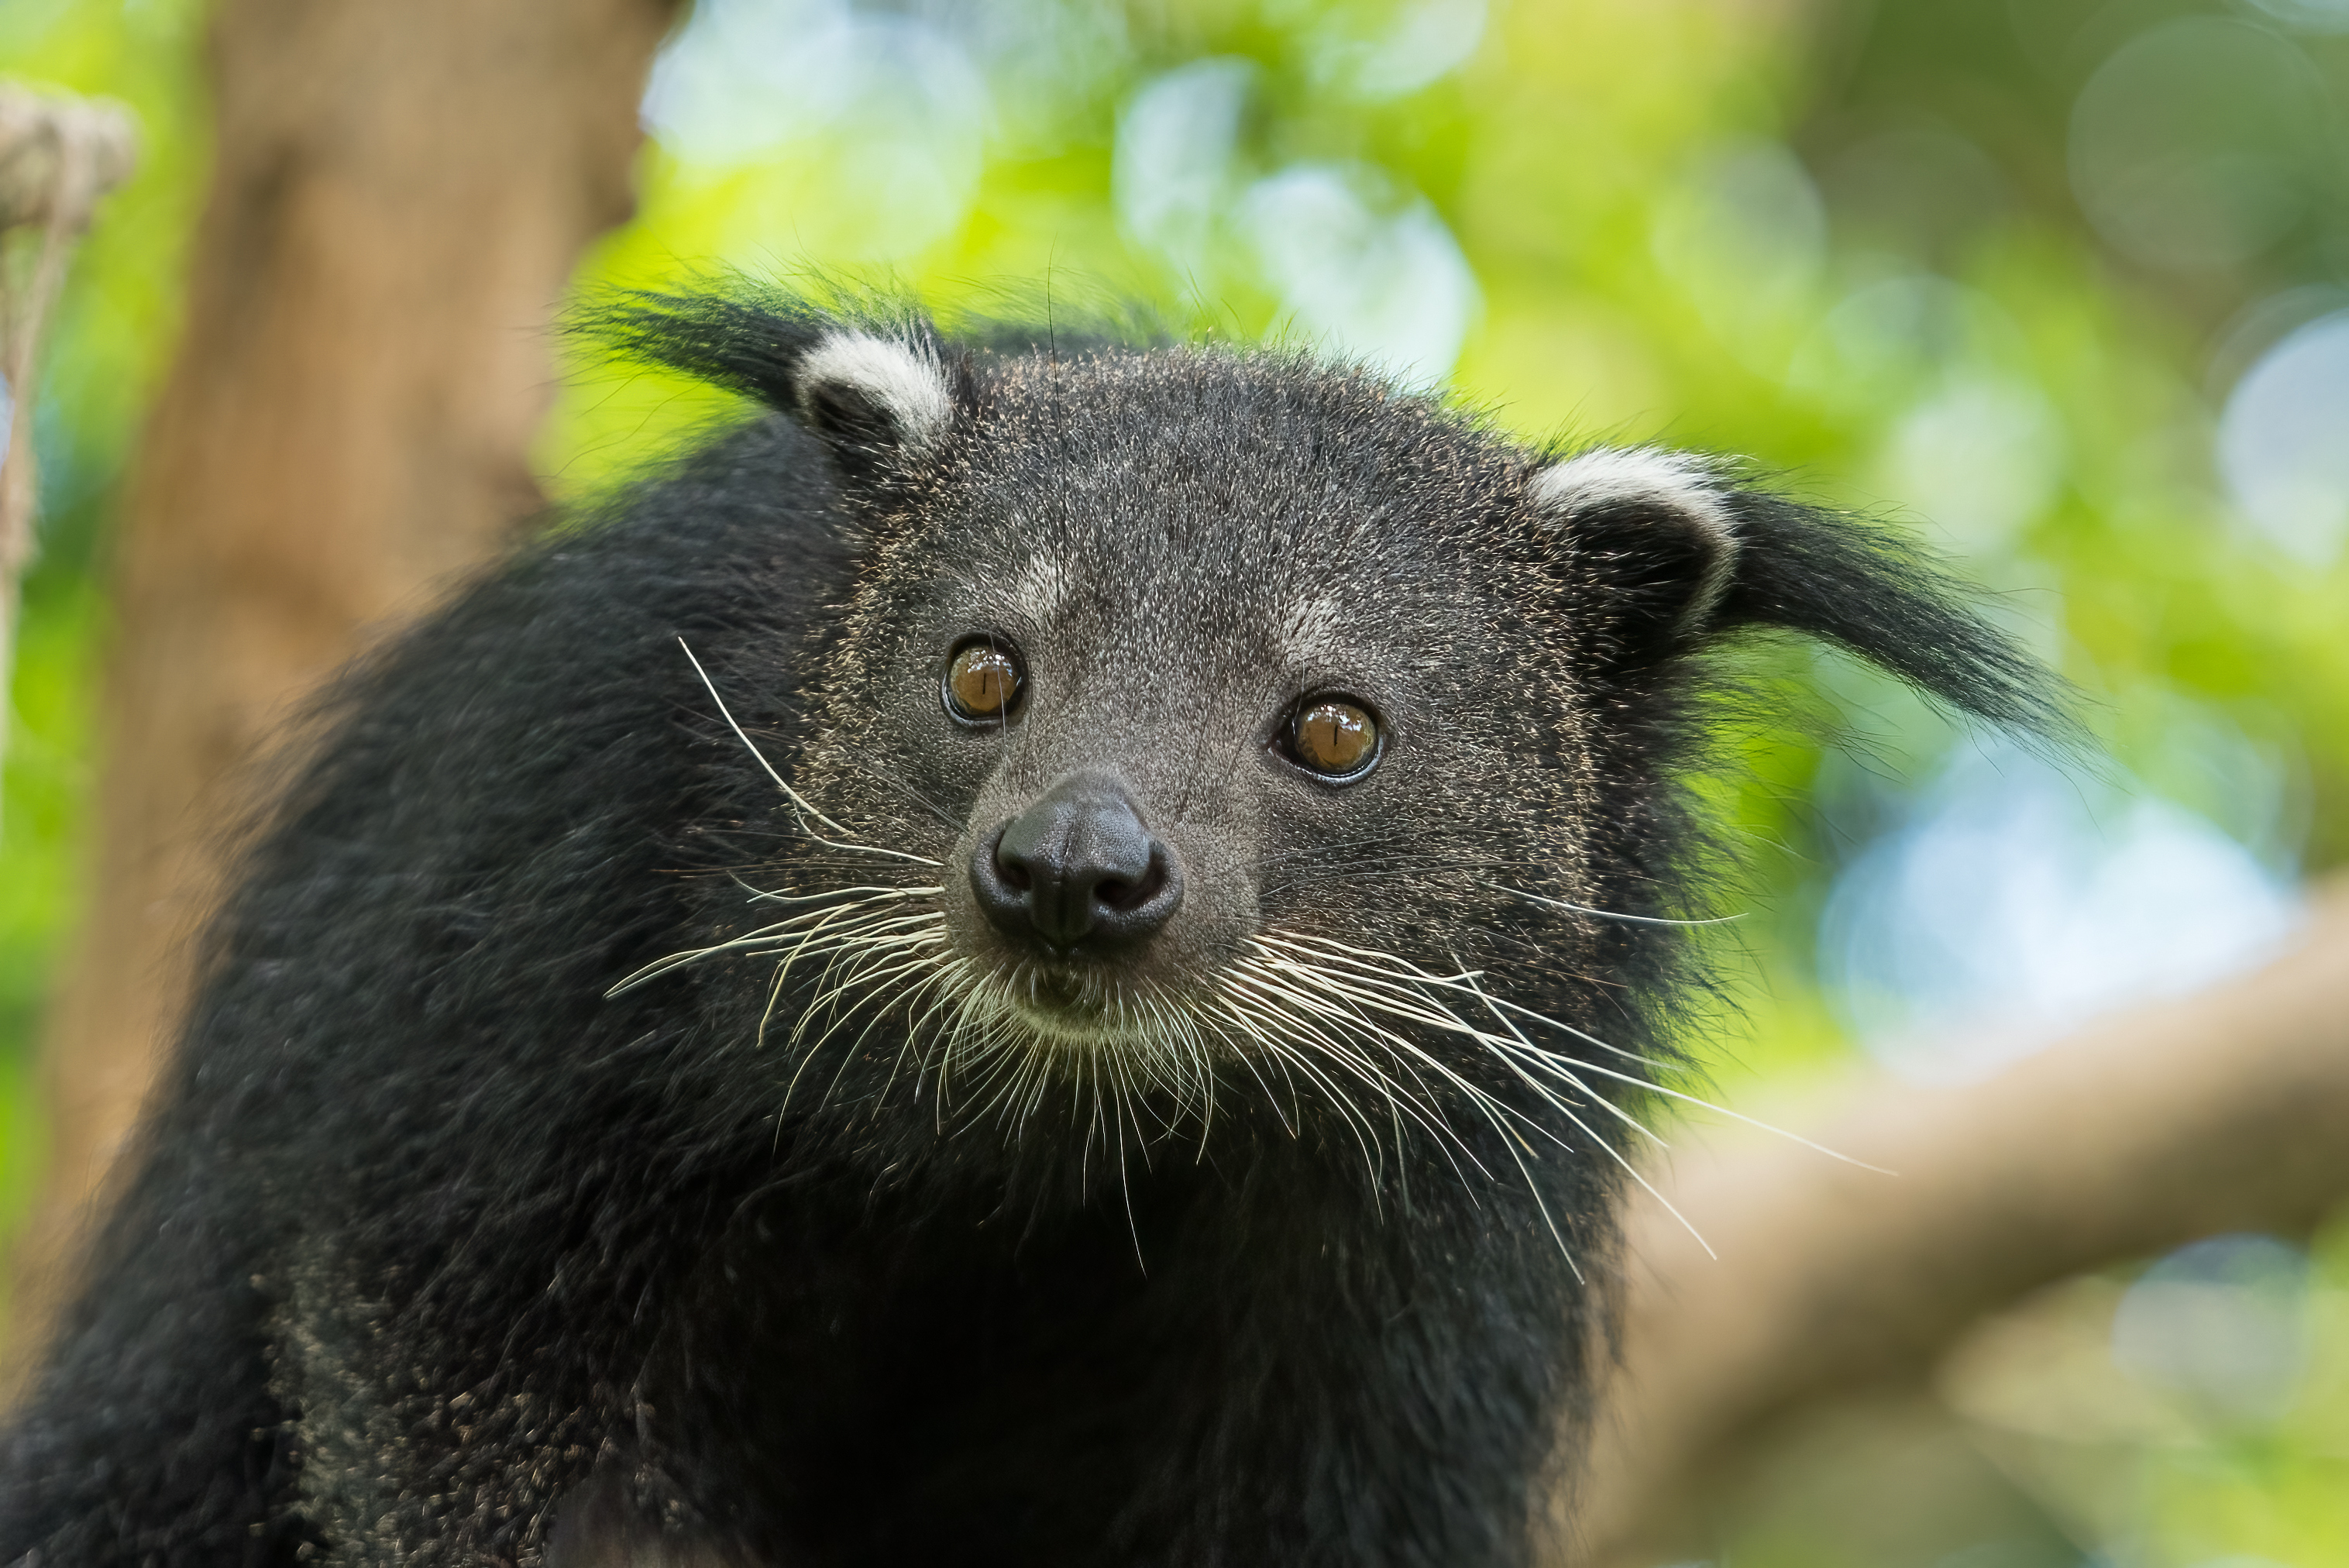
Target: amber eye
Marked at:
1335, 736
982, 681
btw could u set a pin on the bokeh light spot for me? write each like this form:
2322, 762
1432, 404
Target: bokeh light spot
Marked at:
1392, 288
2224, 1324
2306, 16
2283, 443
872, 129
1418, 43
2198, 144
2019, 900
1746, 236
1171, 172
1982, 457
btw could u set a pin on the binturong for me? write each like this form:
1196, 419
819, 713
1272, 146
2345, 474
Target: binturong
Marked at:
1047, 951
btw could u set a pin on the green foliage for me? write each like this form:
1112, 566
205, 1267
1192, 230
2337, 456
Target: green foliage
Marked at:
1852, 241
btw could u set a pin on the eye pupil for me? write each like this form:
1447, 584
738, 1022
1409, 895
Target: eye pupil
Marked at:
982, 682
1334, 736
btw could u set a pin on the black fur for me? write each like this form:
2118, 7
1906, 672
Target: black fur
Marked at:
440, 1254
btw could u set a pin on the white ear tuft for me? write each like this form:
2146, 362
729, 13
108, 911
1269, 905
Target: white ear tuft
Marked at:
1608, 477
903, 381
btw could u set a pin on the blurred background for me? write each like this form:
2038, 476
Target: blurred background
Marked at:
2062, 284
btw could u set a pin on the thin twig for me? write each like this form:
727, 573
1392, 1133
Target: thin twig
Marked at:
58, 154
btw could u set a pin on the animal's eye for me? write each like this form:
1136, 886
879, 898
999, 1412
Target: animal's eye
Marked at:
1335, 736
983, 680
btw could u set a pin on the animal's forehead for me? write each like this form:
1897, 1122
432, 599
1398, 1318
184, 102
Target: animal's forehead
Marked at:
1278, 617
1250, 427
1224, 480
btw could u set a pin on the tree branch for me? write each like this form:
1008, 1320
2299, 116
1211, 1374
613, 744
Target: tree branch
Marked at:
2226, 1111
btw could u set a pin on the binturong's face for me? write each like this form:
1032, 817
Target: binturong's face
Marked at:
1210, 662
1217, 733
1244, 696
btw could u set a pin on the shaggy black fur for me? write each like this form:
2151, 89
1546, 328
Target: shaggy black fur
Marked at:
441, 1255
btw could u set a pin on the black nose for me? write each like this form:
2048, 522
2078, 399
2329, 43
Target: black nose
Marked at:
1077, 867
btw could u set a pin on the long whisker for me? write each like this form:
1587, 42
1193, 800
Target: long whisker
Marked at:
1609, 914
1350, 1027
1408, 972
1438, 1017
768, 938
1494, 1112
1592, 1133
1422, 1108
799, 801
760, 896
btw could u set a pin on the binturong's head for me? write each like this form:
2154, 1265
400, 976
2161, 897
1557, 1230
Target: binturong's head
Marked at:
1221, 734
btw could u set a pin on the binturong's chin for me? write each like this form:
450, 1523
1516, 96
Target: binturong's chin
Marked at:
1078, 1007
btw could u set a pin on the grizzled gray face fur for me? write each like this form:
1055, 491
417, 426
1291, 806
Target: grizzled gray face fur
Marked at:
1181, 553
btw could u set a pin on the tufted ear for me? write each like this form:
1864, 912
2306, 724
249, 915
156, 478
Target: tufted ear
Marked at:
1677, 555
1656, 524
877, 392
875, 385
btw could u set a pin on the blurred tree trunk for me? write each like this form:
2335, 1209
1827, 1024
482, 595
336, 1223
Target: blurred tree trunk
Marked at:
399, 194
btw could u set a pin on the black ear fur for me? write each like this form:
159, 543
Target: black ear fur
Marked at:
1682, 558
875, 383
1656, 529
1878, 594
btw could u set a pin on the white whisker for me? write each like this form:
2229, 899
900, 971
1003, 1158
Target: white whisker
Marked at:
799, 801
1463, 982
1331, 1019
1609, 914
1570, 1112
758, 896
